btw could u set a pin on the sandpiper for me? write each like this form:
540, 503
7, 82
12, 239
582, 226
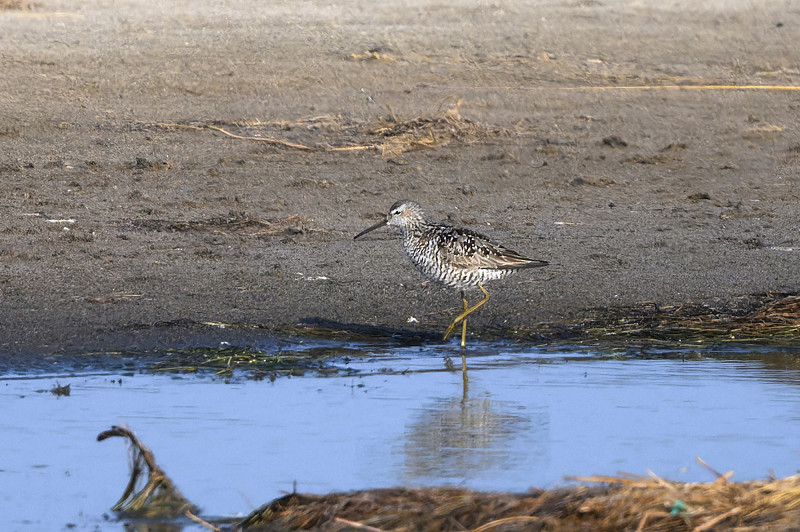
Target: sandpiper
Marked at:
453, 256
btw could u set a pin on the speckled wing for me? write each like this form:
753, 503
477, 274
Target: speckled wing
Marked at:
470, 250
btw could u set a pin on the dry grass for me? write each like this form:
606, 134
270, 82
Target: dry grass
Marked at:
331, 134
605, 504
617, 503
7, 5
782, 311
233, 224
372, 55
770, 318
428, 132
152, 495
763, 132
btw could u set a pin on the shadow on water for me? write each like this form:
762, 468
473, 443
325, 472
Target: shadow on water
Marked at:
368, 414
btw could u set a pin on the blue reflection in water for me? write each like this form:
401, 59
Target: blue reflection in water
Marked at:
529, 417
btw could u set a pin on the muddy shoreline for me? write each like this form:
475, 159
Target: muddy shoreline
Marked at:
168, 172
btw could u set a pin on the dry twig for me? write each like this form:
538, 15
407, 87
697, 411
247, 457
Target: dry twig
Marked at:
158, 497
356, 525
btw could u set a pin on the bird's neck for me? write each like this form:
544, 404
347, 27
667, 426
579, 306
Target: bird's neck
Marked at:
411, 231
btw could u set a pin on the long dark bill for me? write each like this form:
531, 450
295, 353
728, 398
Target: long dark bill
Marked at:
368, 229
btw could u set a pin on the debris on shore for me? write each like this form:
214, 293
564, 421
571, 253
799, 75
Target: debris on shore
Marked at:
597, 503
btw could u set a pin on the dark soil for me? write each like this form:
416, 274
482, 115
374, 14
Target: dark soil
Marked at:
167, 167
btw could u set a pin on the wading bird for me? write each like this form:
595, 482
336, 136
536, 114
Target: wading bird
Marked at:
453, 256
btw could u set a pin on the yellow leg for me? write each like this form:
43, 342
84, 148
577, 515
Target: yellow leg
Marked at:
464, 376
464, 326
466, 313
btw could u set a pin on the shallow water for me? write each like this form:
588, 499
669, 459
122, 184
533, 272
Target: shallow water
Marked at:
390, 417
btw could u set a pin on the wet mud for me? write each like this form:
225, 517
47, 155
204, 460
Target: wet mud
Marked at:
186, 175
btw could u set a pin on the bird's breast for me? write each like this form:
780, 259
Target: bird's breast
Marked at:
433, 257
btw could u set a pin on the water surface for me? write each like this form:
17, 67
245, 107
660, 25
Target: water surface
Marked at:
391, 417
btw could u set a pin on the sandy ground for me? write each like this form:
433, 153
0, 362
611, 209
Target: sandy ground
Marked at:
130, 219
